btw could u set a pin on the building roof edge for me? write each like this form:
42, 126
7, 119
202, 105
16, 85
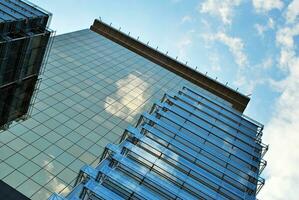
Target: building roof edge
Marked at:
239, 101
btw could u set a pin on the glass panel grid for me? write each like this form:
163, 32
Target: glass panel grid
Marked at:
90, 91
159, 159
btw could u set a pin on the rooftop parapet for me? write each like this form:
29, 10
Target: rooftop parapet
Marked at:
238, 100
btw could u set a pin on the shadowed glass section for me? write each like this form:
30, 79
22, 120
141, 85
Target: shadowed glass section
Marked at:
24, 40
9, 193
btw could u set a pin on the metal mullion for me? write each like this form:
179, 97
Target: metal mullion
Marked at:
105, 171
6, 16
245, 159
183, 110
213, 101
117, 188
225, 172
163, 165
239, 118
199, 157
193, 121
147, 174
245, 118
25, 6
136, 174
129, 184
222, 157
192, 166
188, 164
223, 112
56, 197
18, 9
14, 9
100, 191
6, 12
216, 116
86, 170
196, 114
218, 142
224, 117
76, 191
35, 8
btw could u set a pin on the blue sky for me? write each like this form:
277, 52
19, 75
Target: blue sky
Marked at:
251, 44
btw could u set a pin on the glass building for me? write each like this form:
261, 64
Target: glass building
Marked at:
24, 40
96, 83
189, 146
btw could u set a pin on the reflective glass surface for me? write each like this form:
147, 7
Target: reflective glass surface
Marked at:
169, 154
91, 90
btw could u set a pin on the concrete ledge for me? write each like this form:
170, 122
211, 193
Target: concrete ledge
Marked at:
238, 100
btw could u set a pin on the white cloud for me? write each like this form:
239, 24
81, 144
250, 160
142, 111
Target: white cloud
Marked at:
282, 130
186, 18
258, 74
124, 105
244, 72
267, 63
235, 46
282, 135
292, 11
214, 63
271, 23
285, 39
263, 28
267, 5
176, 1
184, 44
220, 8
248, 80
260, 29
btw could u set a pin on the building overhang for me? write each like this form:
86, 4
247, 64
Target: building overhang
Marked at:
238, 100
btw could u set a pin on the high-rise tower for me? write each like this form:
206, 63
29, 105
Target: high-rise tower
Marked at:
194, 144
96, 84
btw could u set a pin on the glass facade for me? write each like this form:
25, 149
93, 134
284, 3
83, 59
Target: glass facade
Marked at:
23, 43
188, 146
91, 90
